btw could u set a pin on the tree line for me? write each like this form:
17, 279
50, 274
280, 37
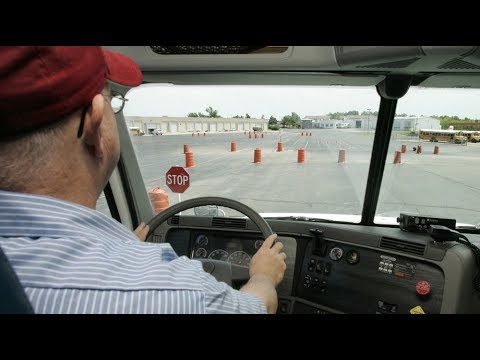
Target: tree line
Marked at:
446, 121
289, 121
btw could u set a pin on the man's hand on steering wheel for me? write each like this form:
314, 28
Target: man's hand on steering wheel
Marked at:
269, 260
141, 231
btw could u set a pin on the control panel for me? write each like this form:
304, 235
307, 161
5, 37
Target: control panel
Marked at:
353, 279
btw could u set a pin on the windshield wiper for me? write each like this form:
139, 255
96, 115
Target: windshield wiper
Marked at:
302, 218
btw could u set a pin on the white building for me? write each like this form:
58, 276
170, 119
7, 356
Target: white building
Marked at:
366, 122
194, 124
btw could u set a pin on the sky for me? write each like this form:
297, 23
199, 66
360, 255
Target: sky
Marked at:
179, 100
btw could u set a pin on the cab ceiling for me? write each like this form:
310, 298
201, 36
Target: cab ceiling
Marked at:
434, 66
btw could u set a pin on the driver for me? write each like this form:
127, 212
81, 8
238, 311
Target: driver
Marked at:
58, 147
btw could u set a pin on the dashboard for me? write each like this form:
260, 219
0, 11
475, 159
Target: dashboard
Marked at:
343, 268
215, 246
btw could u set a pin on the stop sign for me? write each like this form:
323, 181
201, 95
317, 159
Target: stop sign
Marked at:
178, 180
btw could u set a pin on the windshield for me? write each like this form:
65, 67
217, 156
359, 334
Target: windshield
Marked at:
306, 150
442, 179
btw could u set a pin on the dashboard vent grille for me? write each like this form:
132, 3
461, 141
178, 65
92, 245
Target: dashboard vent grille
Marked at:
208, 50
229, 223
175, 220
403, 246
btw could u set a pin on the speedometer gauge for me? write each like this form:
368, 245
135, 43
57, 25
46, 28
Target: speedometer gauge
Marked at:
240, 258
218, 255
201, 253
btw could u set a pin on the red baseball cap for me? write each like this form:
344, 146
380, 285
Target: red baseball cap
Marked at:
40, 85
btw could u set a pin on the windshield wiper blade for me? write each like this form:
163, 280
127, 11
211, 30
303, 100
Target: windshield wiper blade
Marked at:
302, 218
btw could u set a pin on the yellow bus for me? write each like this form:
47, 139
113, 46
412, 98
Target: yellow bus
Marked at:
472, 135
475, 137
432, 135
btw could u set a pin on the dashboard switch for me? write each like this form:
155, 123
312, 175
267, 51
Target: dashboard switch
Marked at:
283, 308
327, 268
353, 257
423, 287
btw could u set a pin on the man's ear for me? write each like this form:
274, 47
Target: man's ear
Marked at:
92, 126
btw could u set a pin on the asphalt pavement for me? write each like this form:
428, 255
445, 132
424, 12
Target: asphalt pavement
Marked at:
440, 185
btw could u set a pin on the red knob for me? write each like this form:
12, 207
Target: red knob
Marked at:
423, 287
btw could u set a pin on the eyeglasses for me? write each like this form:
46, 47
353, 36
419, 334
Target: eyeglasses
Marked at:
117, 102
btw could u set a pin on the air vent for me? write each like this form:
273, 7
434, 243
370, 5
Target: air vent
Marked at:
457, 64
403, 246
229, 223
175, 220
391, 65
218, 50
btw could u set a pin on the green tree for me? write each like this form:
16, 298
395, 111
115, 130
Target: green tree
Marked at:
238, 117
212, 113
296, 119
247, 116
446, 121
272, 121
335, 116
287, 121
192, 114
372, 113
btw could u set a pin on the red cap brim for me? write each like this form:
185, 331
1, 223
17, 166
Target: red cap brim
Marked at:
122, 70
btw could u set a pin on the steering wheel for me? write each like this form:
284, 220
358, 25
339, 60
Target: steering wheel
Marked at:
221, 270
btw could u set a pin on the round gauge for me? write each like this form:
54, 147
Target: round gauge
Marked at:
258, 244
201, 253
336, 253
240, 258
353, 257
218, 255
201, 240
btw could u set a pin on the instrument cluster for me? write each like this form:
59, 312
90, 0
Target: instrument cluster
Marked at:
237, 251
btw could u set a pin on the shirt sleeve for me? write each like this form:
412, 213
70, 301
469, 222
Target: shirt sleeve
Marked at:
218, 297
223, 299
227, 300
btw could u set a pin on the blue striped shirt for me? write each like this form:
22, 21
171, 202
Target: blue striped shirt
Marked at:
72, 259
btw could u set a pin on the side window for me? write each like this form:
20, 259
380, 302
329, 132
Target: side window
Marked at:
106, 203
102, 205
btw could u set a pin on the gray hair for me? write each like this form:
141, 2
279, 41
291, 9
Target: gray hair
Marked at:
22, 158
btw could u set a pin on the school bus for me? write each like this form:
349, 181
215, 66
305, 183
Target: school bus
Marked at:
475, 137
472, 136
454, 136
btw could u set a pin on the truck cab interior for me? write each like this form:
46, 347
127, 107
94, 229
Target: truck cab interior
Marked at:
349, 249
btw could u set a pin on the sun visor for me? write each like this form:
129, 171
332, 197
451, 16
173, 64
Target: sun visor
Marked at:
263, 78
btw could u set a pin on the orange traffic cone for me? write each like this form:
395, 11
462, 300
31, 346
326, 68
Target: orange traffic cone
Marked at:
158, 199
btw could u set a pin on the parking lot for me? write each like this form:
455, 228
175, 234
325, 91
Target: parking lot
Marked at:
442, 185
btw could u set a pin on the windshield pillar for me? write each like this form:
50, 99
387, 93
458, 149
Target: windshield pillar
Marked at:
390, 90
